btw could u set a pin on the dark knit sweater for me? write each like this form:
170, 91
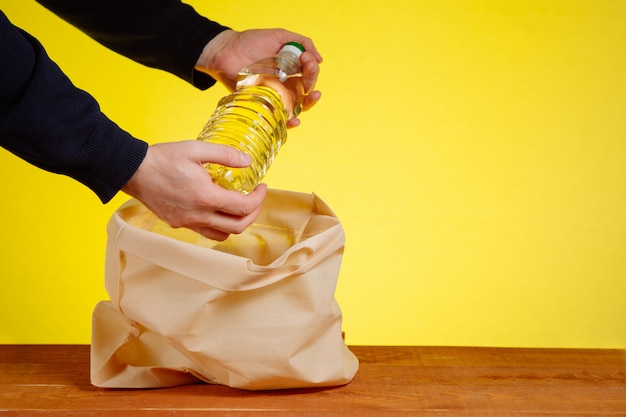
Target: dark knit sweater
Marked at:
50, 123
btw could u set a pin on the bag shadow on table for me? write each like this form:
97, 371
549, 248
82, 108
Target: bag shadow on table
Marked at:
257, 311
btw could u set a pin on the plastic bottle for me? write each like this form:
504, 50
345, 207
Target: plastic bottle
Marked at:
253, 119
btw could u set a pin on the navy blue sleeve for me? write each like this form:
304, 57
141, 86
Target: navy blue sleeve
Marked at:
163, 34
47, 121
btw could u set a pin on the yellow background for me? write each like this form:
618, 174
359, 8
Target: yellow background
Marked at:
474, 151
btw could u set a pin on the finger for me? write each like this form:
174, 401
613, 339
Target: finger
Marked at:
220, 224
310, 100
291, 123
310, 71
309, 47
226, 224
284, 36
238, 205
212, 233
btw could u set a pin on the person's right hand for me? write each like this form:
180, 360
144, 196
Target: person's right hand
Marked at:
173, 183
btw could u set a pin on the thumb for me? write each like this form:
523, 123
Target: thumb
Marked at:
222, 154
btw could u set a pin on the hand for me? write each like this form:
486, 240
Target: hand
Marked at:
230, 51
173, 183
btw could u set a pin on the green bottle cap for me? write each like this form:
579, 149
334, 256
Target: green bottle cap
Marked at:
296, 45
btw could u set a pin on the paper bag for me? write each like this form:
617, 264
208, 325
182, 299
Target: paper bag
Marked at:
256, 311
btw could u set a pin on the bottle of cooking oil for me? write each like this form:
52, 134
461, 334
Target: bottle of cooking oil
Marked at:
253, 119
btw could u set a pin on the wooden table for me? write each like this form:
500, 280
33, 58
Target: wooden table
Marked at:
52, 380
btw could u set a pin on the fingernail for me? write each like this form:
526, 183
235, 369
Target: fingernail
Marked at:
246, 159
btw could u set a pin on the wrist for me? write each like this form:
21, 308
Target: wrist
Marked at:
208, 61
134, 186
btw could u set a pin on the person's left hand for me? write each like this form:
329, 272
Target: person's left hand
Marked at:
230, 51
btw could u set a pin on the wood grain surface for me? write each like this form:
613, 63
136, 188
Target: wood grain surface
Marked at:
53, 380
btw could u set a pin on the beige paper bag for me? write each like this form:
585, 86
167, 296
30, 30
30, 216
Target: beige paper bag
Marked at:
257, 311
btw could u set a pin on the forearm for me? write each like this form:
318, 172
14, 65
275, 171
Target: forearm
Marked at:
164, 34
47, 121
